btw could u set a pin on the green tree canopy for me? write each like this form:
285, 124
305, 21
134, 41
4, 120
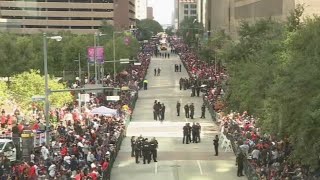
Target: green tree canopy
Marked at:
28, 84
147, 28
191, 30
4, 93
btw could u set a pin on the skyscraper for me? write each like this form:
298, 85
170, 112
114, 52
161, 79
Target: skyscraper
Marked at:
141, 9
77, 16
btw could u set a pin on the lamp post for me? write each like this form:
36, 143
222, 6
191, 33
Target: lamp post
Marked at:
79, 65
96, 43
46, 79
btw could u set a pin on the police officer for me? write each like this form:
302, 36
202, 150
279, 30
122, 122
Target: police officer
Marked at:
153, 147
146, 151
240, 159
155, 110
137, 150
198, 90
133, 144
140, 144
162, 112
181, 83
189, 133
186, 109
178, 108
194, 133
185, 133
193, 91
198, 132
216, 145
191, 110
203, 111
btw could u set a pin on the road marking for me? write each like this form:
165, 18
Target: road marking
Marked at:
199, 165
156, 168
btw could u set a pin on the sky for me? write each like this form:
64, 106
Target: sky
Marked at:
162, 10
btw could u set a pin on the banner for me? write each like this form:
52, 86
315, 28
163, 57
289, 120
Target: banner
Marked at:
99, 54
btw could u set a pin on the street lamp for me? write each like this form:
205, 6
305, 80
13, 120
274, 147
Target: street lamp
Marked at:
46, 85
79, 65
114, 53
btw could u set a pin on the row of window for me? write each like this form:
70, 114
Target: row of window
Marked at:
57, 18
75, 1
192, 6
62, 27
192, 12
56, 9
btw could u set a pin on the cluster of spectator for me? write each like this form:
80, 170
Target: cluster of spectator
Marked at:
82, 145
267, 155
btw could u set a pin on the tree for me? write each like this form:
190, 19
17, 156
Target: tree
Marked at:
4, 95
147, 28
191, 30
170, 31
28, 84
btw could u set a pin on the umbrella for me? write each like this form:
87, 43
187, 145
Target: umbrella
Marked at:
102, 110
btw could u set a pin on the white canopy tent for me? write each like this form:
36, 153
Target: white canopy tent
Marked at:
102, 110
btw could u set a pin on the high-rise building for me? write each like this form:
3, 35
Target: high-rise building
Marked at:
141, 9
228, 14
77, 16
187, 9
150, 13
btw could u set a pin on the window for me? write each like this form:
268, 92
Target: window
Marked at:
186, 6
193, 12
186, 11
193, 6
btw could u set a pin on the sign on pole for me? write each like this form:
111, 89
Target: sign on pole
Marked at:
124, 61
99, 54
113, 98
37, 98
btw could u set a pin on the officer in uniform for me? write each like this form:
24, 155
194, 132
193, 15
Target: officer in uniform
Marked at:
198, 132
198, 90
140, 144
194, 133
186, 109
178, 108
137, 150
240, 159
203, 111
154, 147
133, 144
146, 151
181, 81
216, 145
193, 91
191, 110
185, 134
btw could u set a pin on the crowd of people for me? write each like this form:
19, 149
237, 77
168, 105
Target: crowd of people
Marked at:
266, 154
82, 145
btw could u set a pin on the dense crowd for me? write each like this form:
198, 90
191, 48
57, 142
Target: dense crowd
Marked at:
267, 155
82, 144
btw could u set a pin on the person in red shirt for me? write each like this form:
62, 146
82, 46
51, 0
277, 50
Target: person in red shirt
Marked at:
32, 172
3, 121
35, 126
64, 151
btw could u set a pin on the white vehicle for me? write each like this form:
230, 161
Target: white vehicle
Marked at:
8, 149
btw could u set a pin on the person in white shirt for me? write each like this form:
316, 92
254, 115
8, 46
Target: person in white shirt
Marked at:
52, 170
45, 152
255, 154
90, 158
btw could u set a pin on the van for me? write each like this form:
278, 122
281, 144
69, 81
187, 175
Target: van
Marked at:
8, 149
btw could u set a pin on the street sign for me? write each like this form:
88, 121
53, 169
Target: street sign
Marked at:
124, 61
137, 64
113, 98
37, 98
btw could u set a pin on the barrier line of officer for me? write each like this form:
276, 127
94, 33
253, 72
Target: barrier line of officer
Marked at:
142, 148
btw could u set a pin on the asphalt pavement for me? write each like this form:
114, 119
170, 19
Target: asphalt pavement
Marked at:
176, 161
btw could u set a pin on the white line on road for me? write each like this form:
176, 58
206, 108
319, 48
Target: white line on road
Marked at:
199, 165
156, 168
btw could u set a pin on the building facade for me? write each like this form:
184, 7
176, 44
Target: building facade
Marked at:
187, 9
150, 13
77, 16
141, 9
228, 14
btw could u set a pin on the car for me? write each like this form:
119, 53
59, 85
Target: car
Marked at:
8, 149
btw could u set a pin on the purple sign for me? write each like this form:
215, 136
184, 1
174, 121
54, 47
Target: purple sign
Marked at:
99, 54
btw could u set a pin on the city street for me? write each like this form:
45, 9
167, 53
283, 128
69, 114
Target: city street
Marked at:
176, 161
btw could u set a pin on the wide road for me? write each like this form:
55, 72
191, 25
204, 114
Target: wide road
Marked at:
176, 161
